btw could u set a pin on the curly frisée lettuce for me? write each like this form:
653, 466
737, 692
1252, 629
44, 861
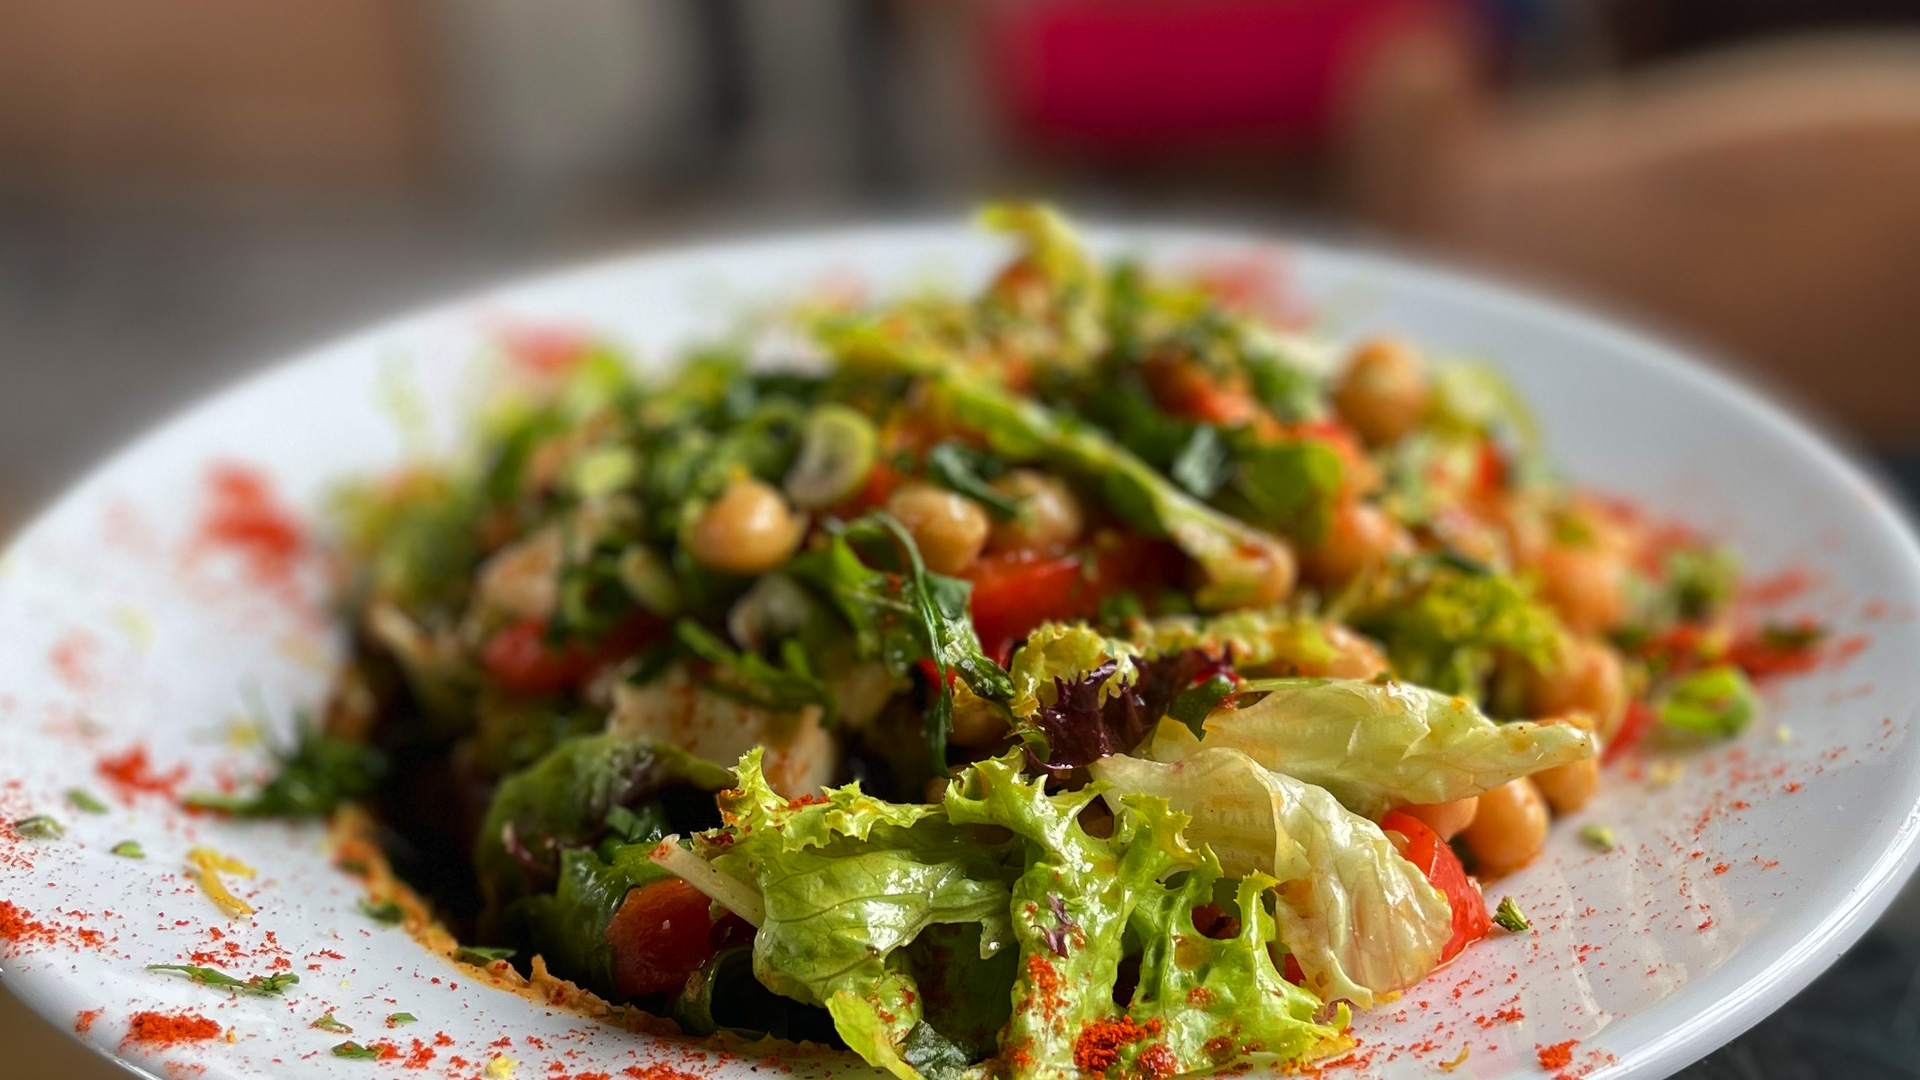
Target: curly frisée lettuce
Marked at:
1200, 1003
847, 885
1079, 696
992, 926
1358, 918
1378, 745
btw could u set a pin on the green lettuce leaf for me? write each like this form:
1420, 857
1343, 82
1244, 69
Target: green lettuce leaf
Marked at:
1360, 919
850, 884
1200, 1003
565, 801
569, 925
1378, 745
1237, 559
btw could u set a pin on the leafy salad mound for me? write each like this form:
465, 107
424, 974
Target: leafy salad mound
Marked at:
1089, 676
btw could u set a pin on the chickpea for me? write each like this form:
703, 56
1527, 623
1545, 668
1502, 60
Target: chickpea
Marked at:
1384, 392
1276, 579
1571, 786
1509, 828
1586, 585
1447, 819
1586, 678
1049, 514
949, 529
747, 530
1524, 526
1359, 537
1355, 655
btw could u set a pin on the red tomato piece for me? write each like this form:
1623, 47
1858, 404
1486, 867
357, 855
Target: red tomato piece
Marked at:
661, 934
1017, 591
1187, 389
1442, 867
521, 660
1634, 726
881, 481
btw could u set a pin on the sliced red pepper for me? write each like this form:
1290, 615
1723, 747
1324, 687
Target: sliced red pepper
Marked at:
521, 660
1442, 867
662, 933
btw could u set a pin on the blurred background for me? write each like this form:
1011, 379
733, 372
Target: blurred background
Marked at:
190, 189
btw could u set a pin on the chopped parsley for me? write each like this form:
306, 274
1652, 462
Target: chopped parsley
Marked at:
311, 779
328, 1023
396, 1019
129, 849
40, 827
276, 983
351, 1049
1597, 837
385, 911
1509, 917
1792, 637
481, 954
85, 802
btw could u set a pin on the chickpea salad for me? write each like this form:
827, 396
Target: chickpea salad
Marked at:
1093, 676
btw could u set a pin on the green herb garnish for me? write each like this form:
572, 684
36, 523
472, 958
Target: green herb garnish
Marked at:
128, 849
1792, 637
259, 984
396, 1019
385, 911
481, 954
959, 467
40, 827
355, 1050
1597, 837
328, 1023
84, 801
1509, 917
311, 779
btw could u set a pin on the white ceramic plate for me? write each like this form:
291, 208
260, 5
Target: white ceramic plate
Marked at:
1729, 891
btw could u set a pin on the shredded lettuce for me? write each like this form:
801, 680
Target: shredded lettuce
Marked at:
1378, 745
1360, 919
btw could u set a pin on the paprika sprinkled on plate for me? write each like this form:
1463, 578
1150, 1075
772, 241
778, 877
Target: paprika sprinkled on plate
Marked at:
166, 1029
